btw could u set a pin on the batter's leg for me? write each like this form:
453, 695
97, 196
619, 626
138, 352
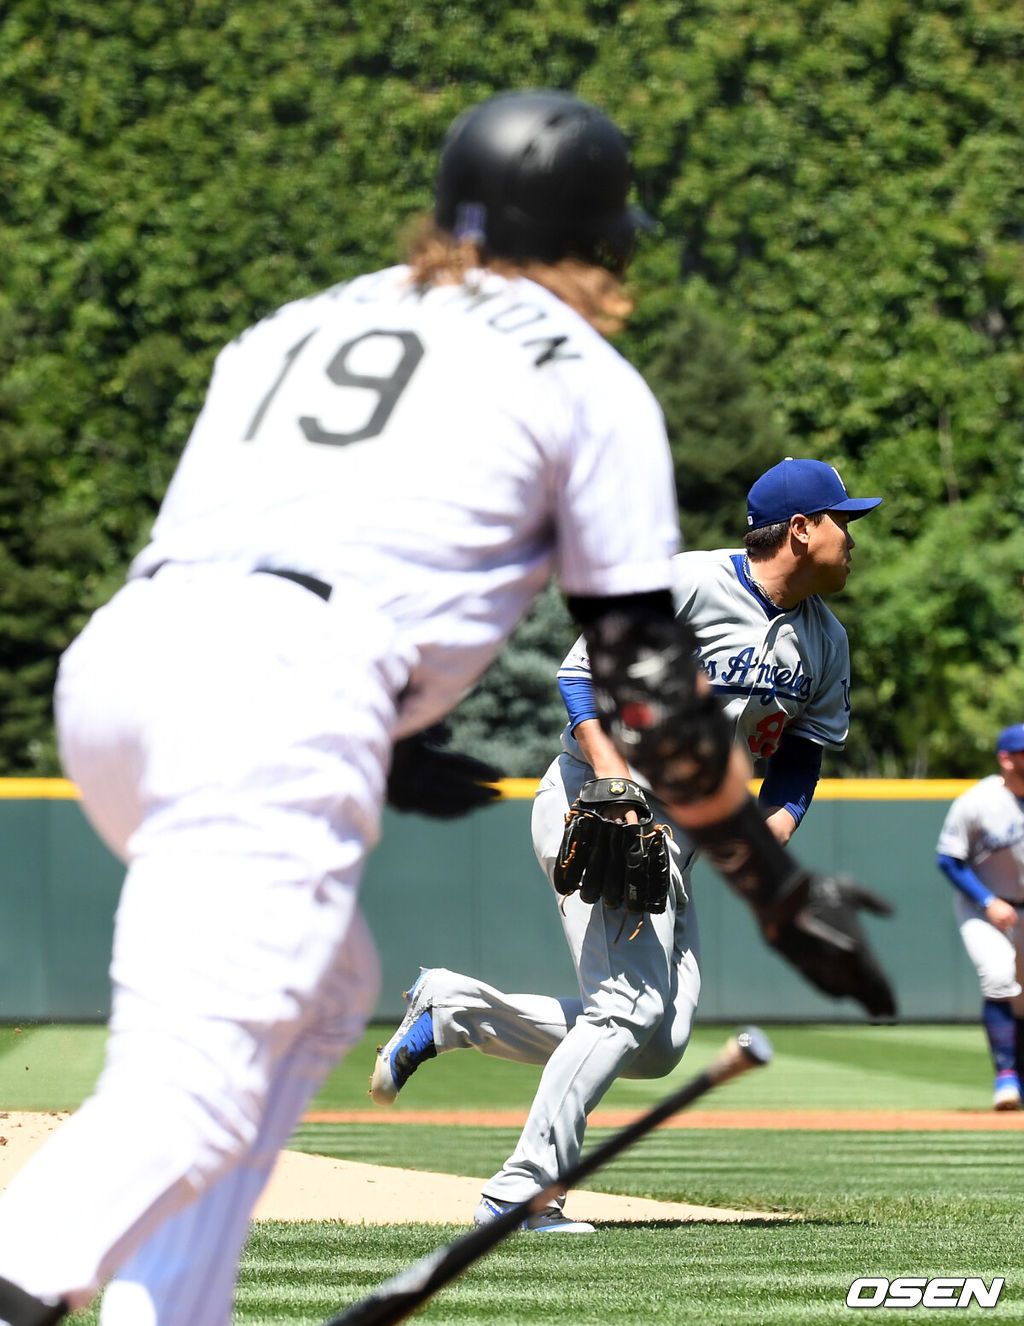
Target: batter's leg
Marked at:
190, 1062
184, 1275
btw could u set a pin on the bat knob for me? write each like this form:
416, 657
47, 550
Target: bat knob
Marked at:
755, 1045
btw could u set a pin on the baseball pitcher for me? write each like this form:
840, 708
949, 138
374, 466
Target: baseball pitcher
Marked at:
619, 861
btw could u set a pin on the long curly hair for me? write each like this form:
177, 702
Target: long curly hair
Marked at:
436, 257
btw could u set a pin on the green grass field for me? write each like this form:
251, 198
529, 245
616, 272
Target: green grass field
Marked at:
869, 1204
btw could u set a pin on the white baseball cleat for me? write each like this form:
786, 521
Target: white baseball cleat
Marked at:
552, 1220
1006, 1095
412, 1042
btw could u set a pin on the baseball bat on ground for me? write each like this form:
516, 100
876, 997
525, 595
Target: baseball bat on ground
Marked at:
399, 1297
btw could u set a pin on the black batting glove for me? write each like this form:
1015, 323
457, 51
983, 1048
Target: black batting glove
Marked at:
429, 779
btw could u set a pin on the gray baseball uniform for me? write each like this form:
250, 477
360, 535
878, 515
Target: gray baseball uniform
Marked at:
775, 671
985, 828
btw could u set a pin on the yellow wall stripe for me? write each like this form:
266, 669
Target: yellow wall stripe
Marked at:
523, 789
37, 789
828, 789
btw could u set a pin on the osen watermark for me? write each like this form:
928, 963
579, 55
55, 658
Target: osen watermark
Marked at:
916, 1291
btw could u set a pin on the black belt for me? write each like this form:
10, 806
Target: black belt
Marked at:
318, 587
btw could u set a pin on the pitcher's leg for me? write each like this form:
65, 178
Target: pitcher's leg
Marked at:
632, 989
468, 1013
680, 938
449, 1011
621, 1010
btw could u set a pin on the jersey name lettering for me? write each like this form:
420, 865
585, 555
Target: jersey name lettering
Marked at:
507, 318
745, 671
997, 840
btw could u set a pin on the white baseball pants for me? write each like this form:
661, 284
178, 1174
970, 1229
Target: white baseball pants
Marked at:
997, 958
229, 735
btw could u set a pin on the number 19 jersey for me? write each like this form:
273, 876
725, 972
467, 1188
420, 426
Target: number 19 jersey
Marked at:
441, 451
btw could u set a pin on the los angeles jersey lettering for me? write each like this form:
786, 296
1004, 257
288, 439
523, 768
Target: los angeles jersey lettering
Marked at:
773, 672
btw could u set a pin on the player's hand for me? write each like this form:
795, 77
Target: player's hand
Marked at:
621, 815
429, 778
1002, 914
825, 942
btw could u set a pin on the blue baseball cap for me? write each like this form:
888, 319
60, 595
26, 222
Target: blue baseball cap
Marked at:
801, 487
1011, 738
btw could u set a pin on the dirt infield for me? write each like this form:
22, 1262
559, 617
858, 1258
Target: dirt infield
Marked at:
304, 1187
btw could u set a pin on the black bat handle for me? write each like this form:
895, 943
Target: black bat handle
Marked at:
391, 1302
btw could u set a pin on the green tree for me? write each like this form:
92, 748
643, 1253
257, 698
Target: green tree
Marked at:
514, 716
839, 191
720, 422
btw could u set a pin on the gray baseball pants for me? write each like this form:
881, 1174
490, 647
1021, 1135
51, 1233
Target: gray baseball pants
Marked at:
633, 1017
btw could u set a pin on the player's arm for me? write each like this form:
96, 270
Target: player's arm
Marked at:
595, 746
657, 706
1001, 914
791, 775
599, 751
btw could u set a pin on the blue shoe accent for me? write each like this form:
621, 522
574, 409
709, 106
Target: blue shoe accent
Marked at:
412, 1043
1006, 1095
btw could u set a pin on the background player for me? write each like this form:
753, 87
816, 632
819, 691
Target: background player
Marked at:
981, 852
381, 479
779, 661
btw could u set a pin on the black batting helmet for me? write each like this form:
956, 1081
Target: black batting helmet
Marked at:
539, 174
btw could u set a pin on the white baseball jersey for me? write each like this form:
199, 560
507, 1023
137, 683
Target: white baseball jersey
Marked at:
772, 670
985, 828
447, 450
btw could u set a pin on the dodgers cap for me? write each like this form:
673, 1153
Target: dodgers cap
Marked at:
1011, 738
801, 487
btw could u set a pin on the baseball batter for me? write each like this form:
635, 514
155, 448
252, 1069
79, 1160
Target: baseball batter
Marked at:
382, 477
981, 852
778, 659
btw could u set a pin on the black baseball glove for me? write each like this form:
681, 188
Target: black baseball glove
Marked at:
824, 941
430, 779
604, 857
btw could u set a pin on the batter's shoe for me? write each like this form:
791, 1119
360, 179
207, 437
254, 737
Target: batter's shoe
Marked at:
20, 1309
552, 1220
408, 1047
1006, 1095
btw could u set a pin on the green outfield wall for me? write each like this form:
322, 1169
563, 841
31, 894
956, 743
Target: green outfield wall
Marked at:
470, 895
